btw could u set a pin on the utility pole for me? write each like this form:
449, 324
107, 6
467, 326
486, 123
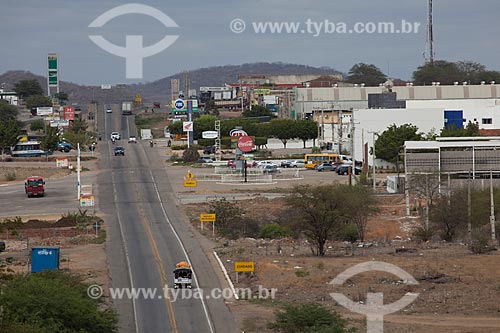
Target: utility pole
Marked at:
492, 209
373, 159
78, 184
426, 202
469, 208
430, 34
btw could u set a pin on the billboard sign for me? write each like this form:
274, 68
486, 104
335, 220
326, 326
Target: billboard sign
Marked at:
59, 123
209, 134
44, 110
237, 132
180, 105
69, 113
62, 162
245, 143
52, 69
187, 126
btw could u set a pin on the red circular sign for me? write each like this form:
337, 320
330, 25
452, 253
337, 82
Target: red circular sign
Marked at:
245, 143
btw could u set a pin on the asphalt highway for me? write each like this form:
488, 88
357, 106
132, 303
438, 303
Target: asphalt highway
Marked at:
147, 237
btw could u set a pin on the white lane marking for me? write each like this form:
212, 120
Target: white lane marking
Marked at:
183, 250
231, 285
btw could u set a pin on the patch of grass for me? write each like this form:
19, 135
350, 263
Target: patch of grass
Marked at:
301, 273
11, 176
144, 121
100, 239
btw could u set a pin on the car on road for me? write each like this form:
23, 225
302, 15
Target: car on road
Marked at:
115, 135
326, 166
205, 159
270, 169
297, 164
132, 139
119, 151
109, 110
64, 147
286, 164
344, 169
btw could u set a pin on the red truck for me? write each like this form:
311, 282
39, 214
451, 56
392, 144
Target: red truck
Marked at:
34, 185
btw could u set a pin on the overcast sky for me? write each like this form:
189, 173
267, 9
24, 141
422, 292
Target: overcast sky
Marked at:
464, 30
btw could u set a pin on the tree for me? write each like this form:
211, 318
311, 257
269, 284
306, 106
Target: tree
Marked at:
388, 144
441, 71
283, 129
7, 111
175, 128
61, 96
368, 74
191, 155
50, 140
257, 111
37, 125
79, 126
203, 123
52, 302
471, 129
448, 216
306, 130
37, 101
319, 213
26, 88
308, 318
360, 203
9, 130
229, 217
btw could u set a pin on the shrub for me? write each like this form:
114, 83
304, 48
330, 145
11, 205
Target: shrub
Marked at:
273, 231
52, 302
191, 155
11, 176
479, 241
308, 318
301, 273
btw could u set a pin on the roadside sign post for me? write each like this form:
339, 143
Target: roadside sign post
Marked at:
189, 180
208, 218
243, 266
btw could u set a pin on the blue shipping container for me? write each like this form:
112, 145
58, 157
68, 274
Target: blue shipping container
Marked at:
44, 258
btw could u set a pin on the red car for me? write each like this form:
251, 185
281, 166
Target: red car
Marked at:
232, 164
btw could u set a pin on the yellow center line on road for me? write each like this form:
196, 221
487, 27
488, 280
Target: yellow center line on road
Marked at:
156, 253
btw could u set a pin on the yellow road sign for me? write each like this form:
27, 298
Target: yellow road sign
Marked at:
138, 98
189, 175
207, 218
190, 183
244, 266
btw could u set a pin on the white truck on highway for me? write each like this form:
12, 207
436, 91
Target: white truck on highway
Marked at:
127, 108
146, 134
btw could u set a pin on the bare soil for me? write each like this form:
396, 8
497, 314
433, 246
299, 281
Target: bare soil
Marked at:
458, 291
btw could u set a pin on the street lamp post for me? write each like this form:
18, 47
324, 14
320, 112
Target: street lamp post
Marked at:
373, 151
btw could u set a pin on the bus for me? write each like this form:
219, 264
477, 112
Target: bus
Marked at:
312, 160
27, 149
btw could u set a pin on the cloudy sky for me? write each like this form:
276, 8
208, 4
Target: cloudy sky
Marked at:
464, 30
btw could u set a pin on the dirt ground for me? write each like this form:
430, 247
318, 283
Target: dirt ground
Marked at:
458, 291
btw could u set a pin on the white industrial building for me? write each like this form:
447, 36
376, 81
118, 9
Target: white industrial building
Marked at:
427, 115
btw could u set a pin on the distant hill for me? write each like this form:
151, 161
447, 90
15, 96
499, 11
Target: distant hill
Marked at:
159, 90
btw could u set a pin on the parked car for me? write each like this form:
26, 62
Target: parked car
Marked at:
297, 164
115, 135
326, 166
119, 151
64, 147
205, 159
270, 169
261, 164
207, 150
109, 110
286, 164
344, 169
132, 139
